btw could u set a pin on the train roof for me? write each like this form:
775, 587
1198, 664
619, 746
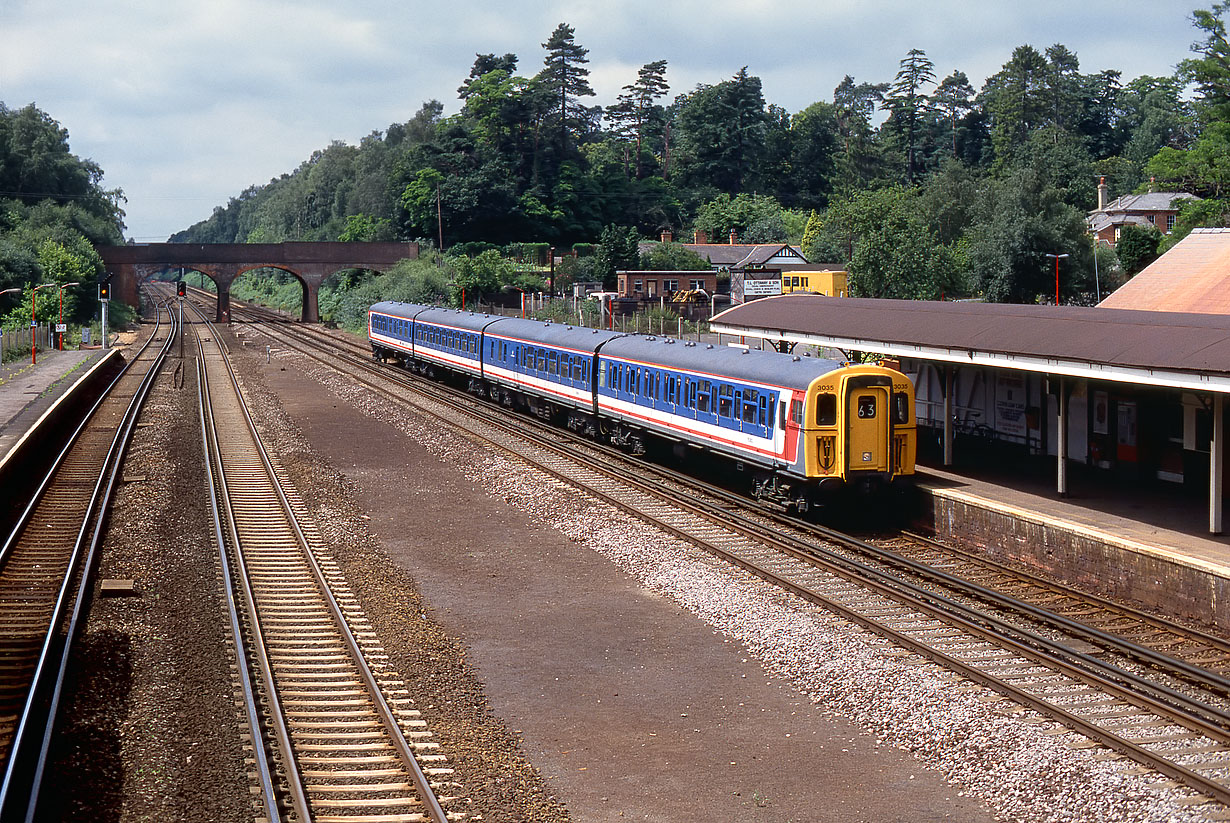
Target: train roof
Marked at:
455, 318
790, 371
576, 338
398, 309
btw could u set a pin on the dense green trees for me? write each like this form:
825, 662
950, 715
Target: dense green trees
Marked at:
922, 187
52, 212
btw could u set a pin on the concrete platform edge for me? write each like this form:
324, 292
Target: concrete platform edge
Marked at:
15, 455
1087, 558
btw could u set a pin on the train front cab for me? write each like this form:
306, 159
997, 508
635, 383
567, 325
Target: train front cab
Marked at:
860, 430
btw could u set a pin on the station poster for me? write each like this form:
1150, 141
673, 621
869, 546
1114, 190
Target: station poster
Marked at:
1010, 406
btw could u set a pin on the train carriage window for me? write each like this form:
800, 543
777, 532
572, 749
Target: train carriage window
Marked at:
552, 363
901, 408
762, 411
867, 407
725, 394
704, 391
751, 398
541, 359
585, 371
826, 409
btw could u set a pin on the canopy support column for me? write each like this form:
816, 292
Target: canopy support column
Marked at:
948, 413
1062, 439
1216, 465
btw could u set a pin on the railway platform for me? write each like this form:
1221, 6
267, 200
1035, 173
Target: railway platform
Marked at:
27, 390
1142, 543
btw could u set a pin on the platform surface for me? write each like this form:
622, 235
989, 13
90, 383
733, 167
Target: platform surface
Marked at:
1170, 521
27, 390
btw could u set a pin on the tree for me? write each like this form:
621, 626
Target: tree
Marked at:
907, 102
672, 257
1137, 247
1024, 220
481, 276
724, 214
1016, 100
854, 105
565, 79
485, 64
953, 97
721, 132
637, 104
363, 228
1211, 72
1062, 86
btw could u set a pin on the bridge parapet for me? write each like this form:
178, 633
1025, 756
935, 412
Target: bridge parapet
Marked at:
311, 263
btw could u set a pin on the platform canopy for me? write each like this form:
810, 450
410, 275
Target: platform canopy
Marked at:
1181, 350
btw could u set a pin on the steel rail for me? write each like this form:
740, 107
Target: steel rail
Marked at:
264, 768
27, 757
275, 716
393, 730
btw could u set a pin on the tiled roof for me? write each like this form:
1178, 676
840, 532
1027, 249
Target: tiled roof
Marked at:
1193, 276
1099, 221
739, 255
1150, 201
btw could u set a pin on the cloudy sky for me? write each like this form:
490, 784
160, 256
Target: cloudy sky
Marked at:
184, 104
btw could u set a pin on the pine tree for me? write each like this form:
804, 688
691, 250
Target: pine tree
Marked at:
908, 103
565, 78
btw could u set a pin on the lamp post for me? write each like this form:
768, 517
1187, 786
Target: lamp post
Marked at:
34, 323
61, 323
1057, 258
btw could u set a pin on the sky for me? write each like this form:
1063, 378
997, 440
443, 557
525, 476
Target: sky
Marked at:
185, 104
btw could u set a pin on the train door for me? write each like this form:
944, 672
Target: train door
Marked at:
867, 423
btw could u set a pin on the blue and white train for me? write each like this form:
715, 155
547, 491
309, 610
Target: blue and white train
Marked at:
797, 425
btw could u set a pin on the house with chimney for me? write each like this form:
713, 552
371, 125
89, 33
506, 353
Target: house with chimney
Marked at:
759, 263
1154, 208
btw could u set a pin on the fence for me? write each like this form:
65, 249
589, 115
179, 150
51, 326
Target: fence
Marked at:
652, 319
18, 339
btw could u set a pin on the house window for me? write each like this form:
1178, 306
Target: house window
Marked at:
1170, 223
697, 284
670, 285
638, 286
1152, 218
1117, 231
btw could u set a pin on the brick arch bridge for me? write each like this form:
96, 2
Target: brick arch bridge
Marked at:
311, 263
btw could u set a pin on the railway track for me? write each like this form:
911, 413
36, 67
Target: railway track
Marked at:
1157, 704
46, 572
337, 738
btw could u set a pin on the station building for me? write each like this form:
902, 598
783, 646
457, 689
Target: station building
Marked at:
1135, 394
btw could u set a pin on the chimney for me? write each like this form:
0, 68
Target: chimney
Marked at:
732, 237
1102, 194
700, 237
667, 236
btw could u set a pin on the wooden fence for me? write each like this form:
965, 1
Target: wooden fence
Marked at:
18, 339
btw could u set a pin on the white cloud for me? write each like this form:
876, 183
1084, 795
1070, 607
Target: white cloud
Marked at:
185, 104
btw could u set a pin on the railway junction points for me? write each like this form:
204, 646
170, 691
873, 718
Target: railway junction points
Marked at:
583, 675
